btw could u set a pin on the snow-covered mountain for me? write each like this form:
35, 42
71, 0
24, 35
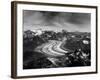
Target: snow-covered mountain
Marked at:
38, 31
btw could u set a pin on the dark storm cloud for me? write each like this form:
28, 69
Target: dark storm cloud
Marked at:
53, 20
78, 18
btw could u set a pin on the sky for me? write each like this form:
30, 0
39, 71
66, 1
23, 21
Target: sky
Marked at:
56, 21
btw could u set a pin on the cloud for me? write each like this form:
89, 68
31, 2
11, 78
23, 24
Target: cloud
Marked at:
61, 20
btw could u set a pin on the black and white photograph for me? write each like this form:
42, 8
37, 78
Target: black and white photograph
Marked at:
53, 39
56, 39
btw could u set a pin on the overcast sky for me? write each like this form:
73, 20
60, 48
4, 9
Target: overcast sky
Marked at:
57, 21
